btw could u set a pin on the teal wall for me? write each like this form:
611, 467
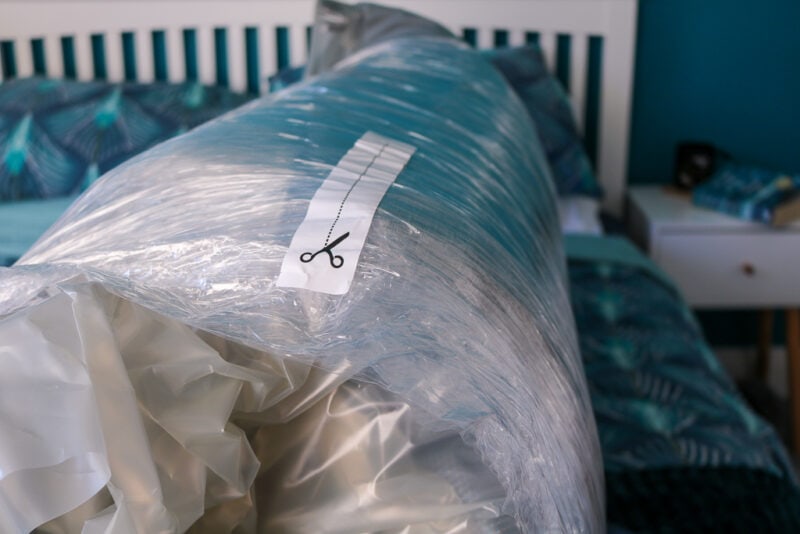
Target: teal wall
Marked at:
723, 71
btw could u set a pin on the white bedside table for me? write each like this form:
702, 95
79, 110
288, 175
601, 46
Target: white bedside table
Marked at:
721, 262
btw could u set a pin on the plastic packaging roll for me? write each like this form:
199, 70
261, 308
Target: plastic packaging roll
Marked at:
157, 377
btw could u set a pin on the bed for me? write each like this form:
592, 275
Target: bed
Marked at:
680, 449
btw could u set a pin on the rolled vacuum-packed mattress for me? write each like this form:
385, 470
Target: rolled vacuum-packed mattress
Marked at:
340, 308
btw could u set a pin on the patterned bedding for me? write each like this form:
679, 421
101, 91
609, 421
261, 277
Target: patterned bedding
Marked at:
679, 442
57, 136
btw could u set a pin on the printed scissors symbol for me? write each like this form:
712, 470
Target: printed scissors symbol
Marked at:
336, 261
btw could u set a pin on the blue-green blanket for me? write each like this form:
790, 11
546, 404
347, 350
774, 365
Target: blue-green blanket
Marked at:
660, 396
682, 451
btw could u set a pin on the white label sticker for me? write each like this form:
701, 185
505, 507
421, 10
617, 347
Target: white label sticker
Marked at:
325, 248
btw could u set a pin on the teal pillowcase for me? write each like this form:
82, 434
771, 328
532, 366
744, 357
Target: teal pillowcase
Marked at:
548, 104
285, 77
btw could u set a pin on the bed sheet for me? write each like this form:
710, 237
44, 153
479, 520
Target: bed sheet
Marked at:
681, 448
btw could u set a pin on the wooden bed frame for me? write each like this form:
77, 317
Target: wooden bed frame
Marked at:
239, 42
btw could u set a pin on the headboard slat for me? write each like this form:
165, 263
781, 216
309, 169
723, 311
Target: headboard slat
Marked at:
128, 55
500, 38
282, 46
297, 44
176, 64
84, 64
269, 51
548, 42
158, 39
97, 43
516, 37
206, 64
252, 54
68, 56
37, 51
23, 56
220, 62
578, 75
145, 67
115, 59
485, 37
616, 94
5, 59
237, 63
190, 54
53, 58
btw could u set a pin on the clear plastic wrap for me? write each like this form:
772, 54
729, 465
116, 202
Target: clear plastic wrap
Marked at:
442, 393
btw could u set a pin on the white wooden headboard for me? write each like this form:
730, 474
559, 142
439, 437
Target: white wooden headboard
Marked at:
239, 42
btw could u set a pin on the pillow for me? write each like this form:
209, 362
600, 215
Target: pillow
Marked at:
58, 136
343, 29
579, 214
285, 77
546, 100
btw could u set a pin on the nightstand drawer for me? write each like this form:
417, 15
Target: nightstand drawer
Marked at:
730, 270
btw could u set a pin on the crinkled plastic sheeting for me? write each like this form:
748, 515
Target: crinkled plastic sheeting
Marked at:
155, 377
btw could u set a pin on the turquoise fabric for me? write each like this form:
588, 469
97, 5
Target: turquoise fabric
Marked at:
660, 397
285, 77
547, 103
21, 224
610, 249
58, 136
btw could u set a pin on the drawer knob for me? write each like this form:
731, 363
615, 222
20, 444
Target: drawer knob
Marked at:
748, 269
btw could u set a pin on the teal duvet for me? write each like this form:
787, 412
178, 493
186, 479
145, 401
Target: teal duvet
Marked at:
681, 449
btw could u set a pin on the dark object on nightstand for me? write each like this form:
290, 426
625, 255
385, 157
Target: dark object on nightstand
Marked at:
694, 163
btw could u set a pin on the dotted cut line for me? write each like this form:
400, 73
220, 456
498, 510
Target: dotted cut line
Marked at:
347, 195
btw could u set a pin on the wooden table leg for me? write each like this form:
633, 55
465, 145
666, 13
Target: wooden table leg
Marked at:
793, 357
765, 322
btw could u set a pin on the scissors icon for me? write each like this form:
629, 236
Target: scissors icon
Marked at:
336, 261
